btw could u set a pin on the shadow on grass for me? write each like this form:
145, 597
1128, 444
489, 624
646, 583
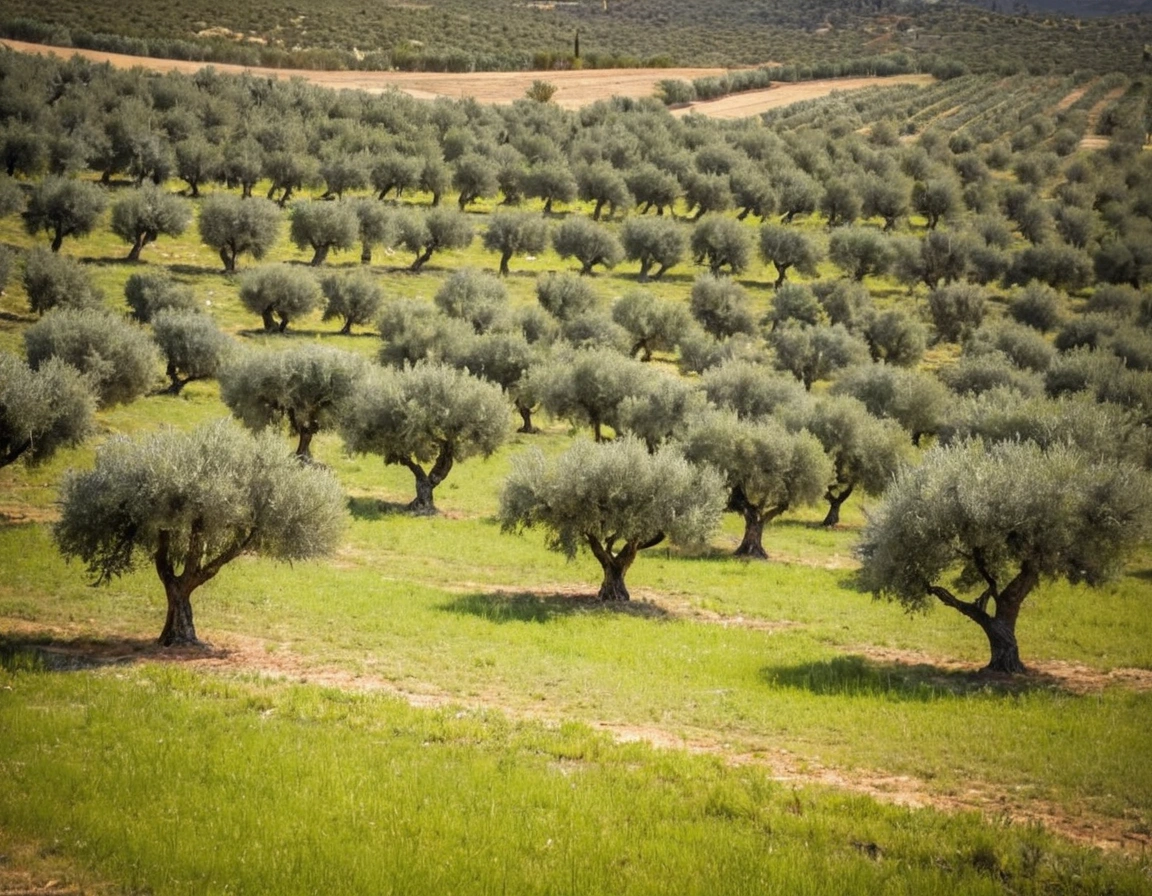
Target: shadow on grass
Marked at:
45, 653
540, 608
858, 676
375, 509
196, 270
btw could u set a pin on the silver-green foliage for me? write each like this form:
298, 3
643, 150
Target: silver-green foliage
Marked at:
189, 503
193, 346
118, 358
474, 296
150, 292
232, 226
587, 386
57, 281
41, 410
979, 527
427, 414
63, 207
323, 227
279, 291
354, 297
308, 388
143, 214
614, 499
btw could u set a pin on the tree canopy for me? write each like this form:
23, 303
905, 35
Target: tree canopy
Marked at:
190, 503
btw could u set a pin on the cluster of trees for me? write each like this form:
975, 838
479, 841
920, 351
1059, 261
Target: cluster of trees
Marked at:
1037, 303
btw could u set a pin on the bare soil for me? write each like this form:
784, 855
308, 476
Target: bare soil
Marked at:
574, 88
754, 102
1091, 139
64, 648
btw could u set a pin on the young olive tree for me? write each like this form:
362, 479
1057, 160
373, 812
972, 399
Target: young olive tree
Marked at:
354, 297
57, 281
915, 399
866, 451
653, 241
615, 499
150, 292
654, 324
565, 296
721, 306
232, 227
42, 410
309, 388
515, 233
279, 291
323, 227
431, 232
587, 386
720, 243
63, 207
425, 415
147, 212
116, 356
767, 469
193, 346
978, 529
787, 248
589, 243
474, 296
190, 503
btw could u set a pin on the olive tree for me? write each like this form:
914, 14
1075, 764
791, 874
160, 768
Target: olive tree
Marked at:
503, 358
587, 386
145, 213
565, 296
57, 281
720, 243
653, 241
812, 353
308, 388
787, 248
915, 399
116, 356
866, 451
588, 242
324, 227
721, 306
279, 291
860, 252
474, 296
615, 499
192, 345
63, 207
425, 418
767, 469
42, 410
515, 233
354, 297
654, 324
979, 528
190, 503
603, 185
433, 231
150, 292
232, 227
752, 390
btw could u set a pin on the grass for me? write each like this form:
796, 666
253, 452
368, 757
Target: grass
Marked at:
174, 783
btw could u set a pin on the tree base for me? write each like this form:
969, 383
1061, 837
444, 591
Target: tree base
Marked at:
751, 552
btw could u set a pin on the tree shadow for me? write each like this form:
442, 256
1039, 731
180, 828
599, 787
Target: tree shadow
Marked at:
375, 509
858, 676
528, 606
196, 270
46, 653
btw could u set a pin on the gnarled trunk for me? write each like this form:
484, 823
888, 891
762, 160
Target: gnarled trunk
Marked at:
319, 256
1001, 636
835, 502
269, 320
1000, 627
615, 567
426, 482
525, 413
505, 257
752, 544
179, 629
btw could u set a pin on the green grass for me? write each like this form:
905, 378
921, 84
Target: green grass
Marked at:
173, 783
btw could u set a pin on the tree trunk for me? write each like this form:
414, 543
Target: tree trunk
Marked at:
782, 274
57, 240
319, 256
505, 257
615, 567
229, 259
613, 587
346, 330
137, 248
422, 259
283, 321
269, 321
366, 254
525, 413
835, 502
179, 630
422, 504
752, 544
304, 445
597, 209
1001, 635
645, 266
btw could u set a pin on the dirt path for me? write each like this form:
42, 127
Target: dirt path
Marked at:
1091, 139
574, 88
753, 102
235, 654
